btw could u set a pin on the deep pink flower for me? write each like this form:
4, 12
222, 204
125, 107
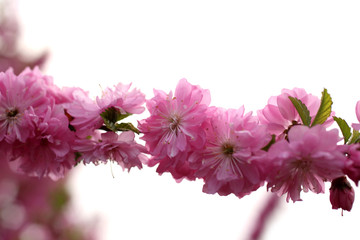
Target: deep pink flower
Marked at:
230, 162
280, 114
107, 146
352, 168
47, 151
342, 195
18, 94
86, 112
309, 158
175, 127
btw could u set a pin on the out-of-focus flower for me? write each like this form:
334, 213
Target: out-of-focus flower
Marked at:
342, 195
230, 160
175, 127
310, 157
107, 146
10, 54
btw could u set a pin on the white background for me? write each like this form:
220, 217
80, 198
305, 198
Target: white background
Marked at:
244, 52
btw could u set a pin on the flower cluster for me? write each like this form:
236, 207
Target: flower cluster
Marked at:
45, 130
287, 145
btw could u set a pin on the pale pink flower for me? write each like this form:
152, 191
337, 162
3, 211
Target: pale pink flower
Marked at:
342, 195
280, 114
107, 146
175, 127
18, 94
356, 126
310, 157
230, 161
86, 112
47, 151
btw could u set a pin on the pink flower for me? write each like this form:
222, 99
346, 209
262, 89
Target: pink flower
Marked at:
47, 151
309, 158
352, 169
175, 127
110, 146
53, 92
280, 114
230, 161
18, 94
342, 195
175, 121
356, 126
86, 112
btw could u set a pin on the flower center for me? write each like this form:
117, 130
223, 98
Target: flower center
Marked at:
12, 113
303, 164
227, 149
174, 124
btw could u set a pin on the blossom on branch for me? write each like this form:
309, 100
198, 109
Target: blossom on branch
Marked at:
86, 112
47, 151
280, 114
310, 157
232, 157
175, 126
107, 146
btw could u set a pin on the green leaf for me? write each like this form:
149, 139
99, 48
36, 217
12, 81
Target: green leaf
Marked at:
324, 109
77, 158
111, 116
302, 110
271, 142
355, 137
127, 127
344, 127
59, 198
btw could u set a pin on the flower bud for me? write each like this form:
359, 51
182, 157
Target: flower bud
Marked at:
341, 194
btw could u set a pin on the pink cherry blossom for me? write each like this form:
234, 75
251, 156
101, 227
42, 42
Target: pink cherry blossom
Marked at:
280, 114
107, 146
86, 112
47, 151
352, 168
175, 126
230, 161
310, 157
18, 94
342, 195
58, 95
